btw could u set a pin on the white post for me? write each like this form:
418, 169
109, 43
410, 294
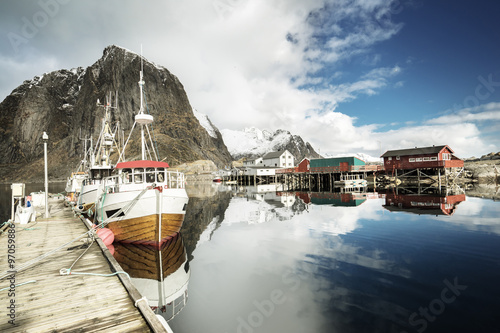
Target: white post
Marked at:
45, 138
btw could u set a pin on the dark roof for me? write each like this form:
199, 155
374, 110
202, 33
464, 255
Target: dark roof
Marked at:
415, 151
273, 154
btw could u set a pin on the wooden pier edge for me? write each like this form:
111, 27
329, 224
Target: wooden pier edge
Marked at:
148, 314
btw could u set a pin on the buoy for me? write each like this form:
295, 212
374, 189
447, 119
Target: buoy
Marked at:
111, 248
106, 235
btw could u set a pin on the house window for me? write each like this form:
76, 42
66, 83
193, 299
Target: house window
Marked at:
434, 158
419, 159
427, 159
446, 156
412, 160
390, 158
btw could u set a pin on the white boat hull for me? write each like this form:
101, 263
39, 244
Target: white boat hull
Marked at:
148, 219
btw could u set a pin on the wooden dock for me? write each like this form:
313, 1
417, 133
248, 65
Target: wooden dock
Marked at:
65, 303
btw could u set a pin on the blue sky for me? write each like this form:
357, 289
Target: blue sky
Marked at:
349, 76
442, 49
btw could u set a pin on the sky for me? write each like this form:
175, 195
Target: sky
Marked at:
348, 76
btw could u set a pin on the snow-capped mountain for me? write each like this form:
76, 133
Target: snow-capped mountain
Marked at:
253, 142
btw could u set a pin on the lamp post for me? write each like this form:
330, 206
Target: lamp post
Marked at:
45, 138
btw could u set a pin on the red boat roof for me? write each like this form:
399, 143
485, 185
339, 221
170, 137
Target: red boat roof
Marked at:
141, 164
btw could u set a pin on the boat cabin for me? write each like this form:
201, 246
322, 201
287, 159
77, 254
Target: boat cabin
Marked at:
142, 171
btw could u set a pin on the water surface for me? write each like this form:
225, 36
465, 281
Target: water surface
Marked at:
323, 262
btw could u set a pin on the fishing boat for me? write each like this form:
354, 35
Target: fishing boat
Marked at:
160, 274
142, 202
101, 165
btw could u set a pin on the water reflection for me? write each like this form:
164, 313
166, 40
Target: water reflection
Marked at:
434, 204
339, 262
161, 275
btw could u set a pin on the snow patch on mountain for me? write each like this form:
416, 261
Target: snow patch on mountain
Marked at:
206, 123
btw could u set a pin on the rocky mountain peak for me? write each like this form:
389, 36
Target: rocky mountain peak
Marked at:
63, 103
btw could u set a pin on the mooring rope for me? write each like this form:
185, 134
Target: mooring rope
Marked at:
18, 285
125, 209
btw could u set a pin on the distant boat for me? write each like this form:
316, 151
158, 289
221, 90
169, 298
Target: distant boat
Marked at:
101, 165
217, 179
142, 202
351, 181
160, 274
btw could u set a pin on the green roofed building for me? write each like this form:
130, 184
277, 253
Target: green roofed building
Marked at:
336, 162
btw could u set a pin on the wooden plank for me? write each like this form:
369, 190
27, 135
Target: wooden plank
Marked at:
60, 302
134, 294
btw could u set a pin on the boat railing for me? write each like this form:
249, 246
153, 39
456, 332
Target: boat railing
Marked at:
90, 181
165, 179
175, 179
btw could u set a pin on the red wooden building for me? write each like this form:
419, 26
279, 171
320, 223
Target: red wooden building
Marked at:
304, 165
435, 157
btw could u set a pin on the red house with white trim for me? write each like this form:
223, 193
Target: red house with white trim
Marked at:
435, 157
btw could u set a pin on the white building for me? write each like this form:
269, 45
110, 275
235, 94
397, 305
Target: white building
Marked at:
260, 171
254, 162
280, 159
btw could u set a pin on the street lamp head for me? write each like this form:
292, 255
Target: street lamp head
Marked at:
45, 136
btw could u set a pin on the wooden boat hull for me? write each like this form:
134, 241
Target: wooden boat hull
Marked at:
141, 224
147, 230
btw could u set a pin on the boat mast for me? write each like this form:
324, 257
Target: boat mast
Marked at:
142, 118
141, 110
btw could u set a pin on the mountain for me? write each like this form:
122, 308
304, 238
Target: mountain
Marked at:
63, 103
253, 142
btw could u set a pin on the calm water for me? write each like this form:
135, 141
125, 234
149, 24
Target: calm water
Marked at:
330, 262
280, 262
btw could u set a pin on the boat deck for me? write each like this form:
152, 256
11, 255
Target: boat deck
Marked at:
62, 303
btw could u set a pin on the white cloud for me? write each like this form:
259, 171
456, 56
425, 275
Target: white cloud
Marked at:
482, 113
269, 64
